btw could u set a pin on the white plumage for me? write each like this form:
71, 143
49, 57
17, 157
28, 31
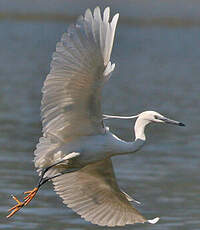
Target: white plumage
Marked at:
73, 128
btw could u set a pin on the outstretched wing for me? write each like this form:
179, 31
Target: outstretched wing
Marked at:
71, 103
93, 193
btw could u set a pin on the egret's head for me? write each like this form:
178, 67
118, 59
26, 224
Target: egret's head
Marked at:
152, 116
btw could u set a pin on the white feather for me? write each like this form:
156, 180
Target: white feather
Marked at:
154, 221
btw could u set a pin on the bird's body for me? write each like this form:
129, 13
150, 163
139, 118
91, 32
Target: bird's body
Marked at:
76, 148
91, 149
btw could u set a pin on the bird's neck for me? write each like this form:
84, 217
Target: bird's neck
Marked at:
134, 146
120, 147
123, 147
139, 128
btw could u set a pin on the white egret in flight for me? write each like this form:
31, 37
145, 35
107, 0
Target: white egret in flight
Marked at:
76, 148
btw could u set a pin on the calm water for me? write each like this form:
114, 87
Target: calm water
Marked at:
157, 68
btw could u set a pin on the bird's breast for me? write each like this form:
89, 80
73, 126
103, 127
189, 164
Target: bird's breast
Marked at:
93, 148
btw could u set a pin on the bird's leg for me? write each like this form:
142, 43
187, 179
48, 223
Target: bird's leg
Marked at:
31, 194
43, 180
56, 175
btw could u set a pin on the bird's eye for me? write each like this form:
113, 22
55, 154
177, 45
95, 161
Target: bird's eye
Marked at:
156, 117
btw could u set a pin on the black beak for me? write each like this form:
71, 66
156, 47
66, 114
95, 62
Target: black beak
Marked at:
181, 124
172, 122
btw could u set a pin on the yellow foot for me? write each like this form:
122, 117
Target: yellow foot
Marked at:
20, 204
16, 208
30, 195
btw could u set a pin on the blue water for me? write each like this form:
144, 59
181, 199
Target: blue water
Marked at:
157, 68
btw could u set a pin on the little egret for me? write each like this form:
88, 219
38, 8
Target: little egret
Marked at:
76, 148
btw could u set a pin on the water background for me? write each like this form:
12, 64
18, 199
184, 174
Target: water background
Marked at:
157, 56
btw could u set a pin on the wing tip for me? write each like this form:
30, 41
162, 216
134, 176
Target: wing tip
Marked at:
106, 14
114, 21
154, 221
97, 8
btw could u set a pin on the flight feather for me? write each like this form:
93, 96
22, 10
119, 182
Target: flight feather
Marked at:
71, 102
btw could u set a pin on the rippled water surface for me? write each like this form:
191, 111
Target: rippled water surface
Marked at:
157, 68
